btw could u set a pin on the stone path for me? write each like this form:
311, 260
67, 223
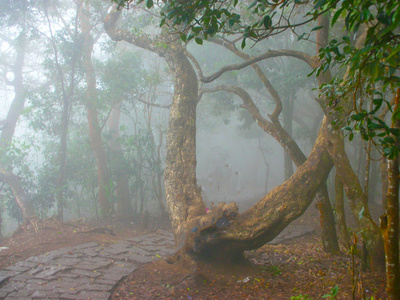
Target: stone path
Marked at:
87, 271
91, 271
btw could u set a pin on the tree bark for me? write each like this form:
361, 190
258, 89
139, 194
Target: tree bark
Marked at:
340, 213
183, 196
390, 221
384, 179
287, 114
358, 204
96, 141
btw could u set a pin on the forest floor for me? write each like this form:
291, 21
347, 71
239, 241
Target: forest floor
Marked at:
291, 269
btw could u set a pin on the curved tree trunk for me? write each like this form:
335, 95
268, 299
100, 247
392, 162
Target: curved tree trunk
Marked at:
183, 196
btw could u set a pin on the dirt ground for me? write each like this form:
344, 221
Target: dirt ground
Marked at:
295, 269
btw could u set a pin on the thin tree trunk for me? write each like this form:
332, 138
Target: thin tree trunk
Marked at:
390, 221
288, 127
357, 201
1, 224
384, 179
18, 104
160, 193
124, 204
96, 140
340, 213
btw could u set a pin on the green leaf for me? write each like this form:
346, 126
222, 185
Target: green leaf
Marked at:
336, 16
301, 36
358, 117
317, 28
267, 22
197, 29
198, 40
319, 4
243, 43
252, 4
149, 3
383, 18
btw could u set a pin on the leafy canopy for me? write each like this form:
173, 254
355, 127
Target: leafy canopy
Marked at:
372, 68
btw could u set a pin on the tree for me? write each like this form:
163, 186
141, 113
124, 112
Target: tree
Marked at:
91, 101
373, 60
186, 208
17, 20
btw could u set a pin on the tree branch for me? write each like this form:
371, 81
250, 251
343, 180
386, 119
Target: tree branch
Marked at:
310, 60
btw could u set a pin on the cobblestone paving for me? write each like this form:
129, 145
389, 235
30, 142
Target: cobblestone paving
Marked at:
87, 271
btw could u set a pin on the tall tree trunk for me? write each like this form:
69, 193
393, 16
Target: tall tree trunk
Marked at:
96, 140
1, 224
357, 201
9, 125
124, 203
384, 179
390, 221
340, 212
18, 104
159, 176
183, 196
287, 114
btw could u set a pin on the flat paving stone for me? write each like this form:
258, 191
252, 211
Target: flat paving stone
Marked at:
87, 271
